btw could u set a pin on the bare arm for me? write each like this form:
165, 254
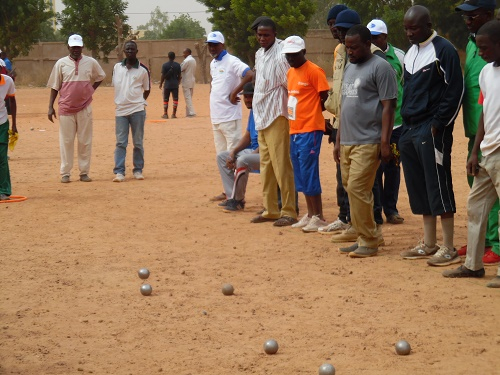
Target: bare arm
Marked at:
96, 85
13, 112
243, 143
53, 96
145, 94
323, 95
233, 97
162, 80
387, 125
473, 162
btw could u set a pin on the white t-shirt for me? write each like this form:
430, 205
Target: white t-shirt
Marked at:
188, 68
489, 82
130, 85
226, 76
7, 89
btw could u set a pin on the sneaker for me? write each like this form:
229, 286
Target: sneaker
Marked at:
490, 258
494, 283
220, 197
174, 116
349, 249
444, 257
223, 203
233, 205
65, 179
4, 197
85, 178
347, 235
119, 178
337, 226
462, 251
138, 176
463, 271
363, 252
314, 224
302, 222
421, 251
165, 115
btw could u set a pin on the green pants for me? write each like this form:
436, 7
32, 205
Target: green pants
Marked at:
492, 228
5, 187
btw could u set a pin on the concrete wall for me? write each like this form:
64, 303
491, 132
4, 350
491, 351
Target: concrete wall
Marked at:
35, 68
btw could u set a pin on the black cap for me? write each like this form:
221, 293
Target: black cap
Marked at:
248, 88
470, 5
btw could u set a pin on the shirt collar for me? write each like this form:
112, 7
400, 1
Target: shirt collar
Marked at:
136, 65
221, 55
74, 59
429, 40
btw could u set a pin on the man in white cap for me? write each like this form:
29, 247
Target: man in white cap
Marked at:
307, 92
74, 78
229, 75
389, 174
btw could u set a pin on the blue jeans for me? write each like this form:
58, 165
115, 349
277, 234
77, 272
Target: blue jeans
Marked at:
136, 122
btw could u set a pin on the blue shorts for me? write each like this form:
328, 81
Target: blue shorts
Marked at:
304, 152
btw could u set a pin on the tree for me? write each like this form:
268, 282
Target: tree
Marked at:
94, 20
21, 24
234, 17
183, 27
318, 19
156, 25
48, 34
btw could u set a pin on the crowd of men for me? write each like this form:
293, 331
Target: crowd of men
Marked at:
388, 107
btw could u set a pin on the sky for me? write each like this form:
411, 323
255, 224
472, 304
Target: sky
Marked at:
139, 11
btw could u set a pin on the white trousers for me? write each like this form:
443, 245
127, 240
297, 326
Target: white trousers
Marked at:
188, 97
226, 135
79, 125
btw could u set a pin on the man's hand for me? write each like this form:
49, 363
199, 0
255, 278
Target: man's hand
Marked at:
230, 161
434, 131
385, 153
472, 164
336, 152
234, 98
51, 113
160, 86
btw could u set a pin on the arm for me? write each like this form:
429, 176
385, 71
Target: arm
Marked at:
336, 147
323, 95
233, 97
241, 145
473, 162
388, 107
53, 95
96, 85
145, 94
13, 112
162, 80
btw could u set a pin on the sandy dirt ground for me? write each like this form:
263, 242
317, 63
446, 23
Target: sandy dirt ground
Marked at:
70, 255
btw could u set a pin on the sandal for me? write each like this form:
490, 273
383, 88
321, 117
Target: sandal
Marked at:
285, 221
220, 197
261, 219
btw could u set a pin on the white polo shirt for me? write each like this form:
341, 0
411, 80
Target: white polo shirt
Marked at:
7, 90
489, 82
130, 85
227, 71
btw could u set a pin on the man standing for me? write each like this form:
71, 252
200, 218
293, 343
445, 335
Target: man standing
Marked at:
389, 174
307, 91
229, 75
171, 75
132, 83
271, 120
476, 15
188, 69
369, 93
432, 94
74, 78
7, 91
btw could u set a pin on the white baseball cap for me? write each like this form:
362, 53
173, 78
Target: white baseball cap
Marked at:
215, 37
75, 40
293, 44
377, 27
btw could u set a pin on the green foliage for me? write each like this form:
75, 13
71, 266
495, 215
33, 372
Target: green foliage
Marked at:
156, 25
183, 27
21, 24
48, 34
445, 20
234, 17
318, 19
95, 21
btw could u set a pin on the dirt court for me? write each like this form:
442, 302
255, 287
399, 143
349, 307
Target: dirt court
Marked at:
70, 255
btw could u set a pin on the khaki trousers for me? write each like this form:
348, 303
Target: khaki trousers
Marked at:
483, 195
359, 164
79, 125
188, 97
276, 169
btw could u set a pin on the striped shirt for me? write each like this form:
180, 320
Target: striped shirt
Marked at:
270, 96
74, 80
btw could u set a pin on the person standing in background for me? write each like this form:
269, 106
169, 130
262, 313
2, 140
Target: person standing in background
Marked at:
188, 70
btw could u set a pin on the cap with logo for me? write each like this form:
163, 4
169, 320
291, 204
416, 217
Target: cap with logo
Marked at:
293, 44
347, 19
377, 27
215, 37
470, 5
75, 40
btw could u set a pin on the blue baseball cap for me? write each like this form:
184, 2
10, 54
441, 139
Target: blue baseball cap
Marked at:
347, 19
334, 12
470, 5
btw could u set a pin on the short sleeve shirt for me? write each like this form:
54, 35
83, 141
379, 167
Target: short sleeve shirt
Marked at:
363, 87
489, 82
7, 90
304, 105
130, 85
172, 82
